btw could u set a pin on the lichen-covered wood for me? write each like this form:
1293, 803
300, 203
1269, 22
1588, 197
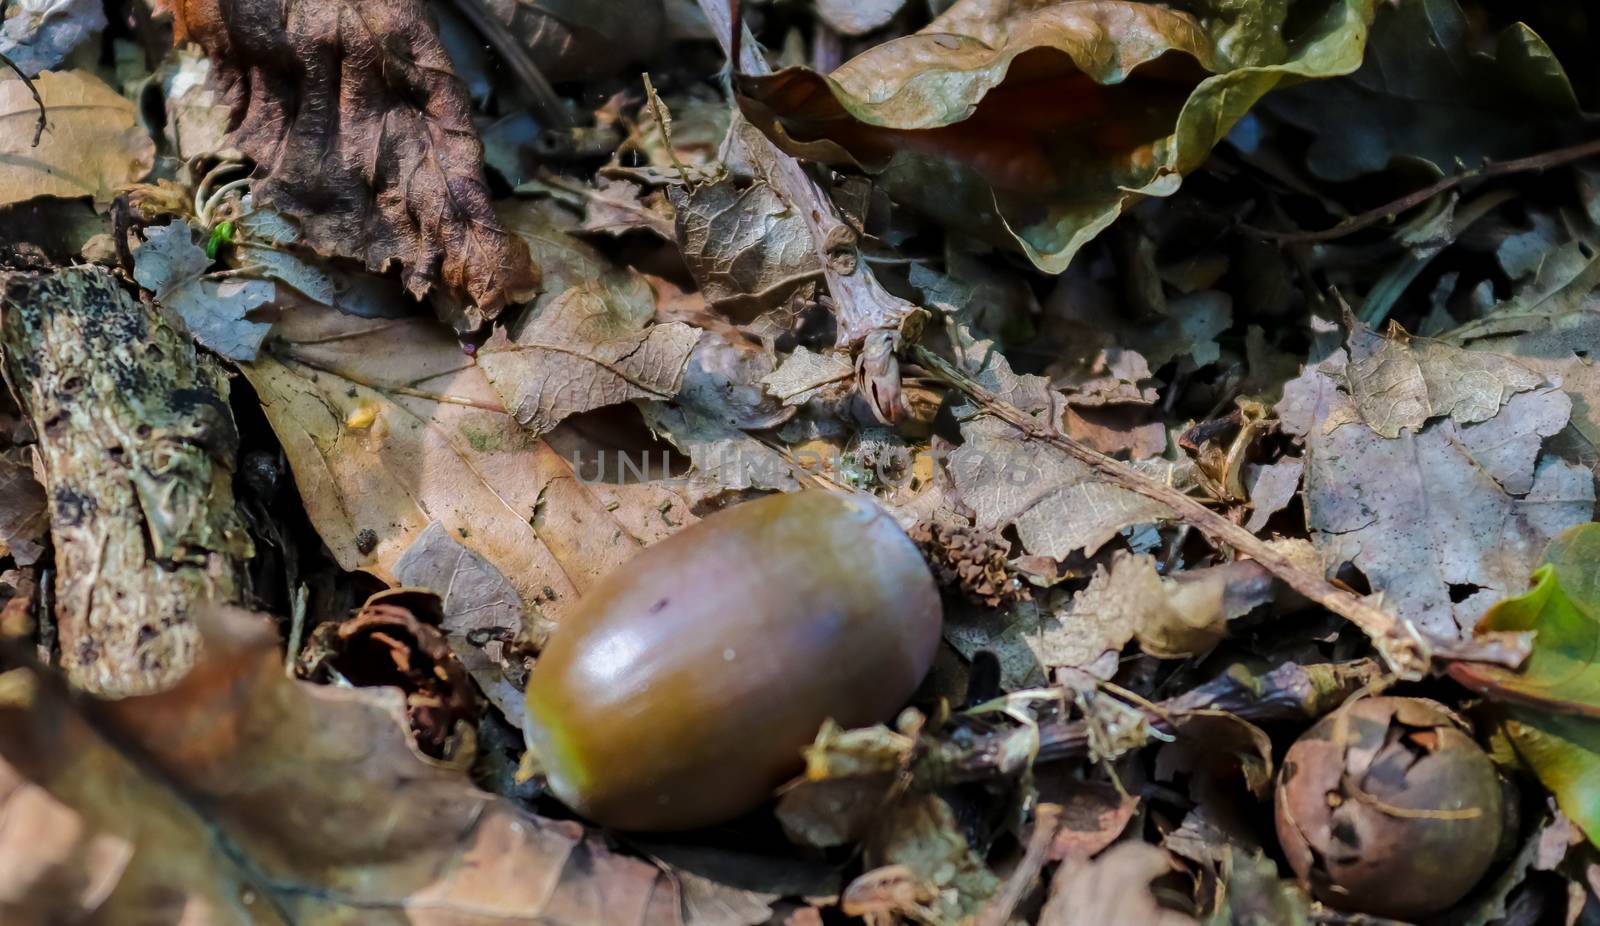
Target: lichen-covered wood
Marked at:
138, 447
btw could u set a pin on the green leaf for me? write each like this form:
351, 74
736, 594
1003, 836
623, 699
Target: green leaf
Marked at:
221, 235
1039, 123
1550, 709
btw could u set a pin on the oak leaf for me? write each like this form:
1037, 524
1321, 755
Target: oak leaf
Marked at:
1441, 521
90, 145
242, 797
363, 134
581, 352
383, 443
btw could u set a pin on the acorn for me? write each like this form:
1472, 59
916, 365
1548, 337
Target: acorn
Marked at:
1387, 806
682, 690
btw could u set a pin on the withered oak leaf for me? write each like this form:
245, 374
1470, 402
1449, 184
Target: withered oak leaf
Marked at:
361, 131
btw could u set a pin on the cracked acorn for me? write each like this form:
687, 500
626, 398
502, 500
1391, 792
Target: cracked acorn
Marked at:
1387, 806
684, 688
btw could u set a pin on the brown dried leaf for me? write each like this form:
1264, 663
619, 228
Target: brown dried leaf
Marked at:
242, 797
364, 135
482, 610
748, 249
383, 443
1111, 889
584, 351
1400, 382
1443, 521
804, 375
1056, 503
90, 146
24, 522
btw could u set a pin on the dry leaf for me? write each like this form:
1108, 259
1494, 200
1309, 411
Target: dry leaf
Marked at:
1399, 382
857, 17
215, 309
747, 249
24, 520
1115, 888
90, 146
39, 34
804, 375
242, 797
1271, 487
1039, 122
1057, 504
1560, 345
720, 401
584, 351
482, 610
1443, 521
383, 443
365, 137
268, 246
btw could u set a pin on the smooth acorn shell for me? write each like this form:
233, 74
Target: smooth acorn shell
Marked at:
683, 688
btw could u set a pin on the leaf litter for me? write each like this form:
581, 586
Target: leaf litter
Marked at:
1066, 286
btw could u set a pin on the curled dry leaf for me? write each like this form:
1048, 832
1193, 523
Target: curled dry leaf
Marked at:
383, 444
90, 145
965, 120
242, 798
363, 135
748, 249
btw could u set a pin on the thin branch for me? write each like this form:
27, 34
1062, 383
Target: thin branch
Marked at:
38, 130
1399, 643
1290, 692
1536, 162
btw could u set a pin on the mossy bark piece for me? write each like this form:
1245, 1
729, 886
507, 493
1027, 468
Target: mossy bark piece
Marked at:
138, 447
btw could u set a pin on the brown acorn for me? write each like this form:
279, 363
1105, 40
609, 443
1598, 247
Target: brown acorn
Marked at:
683, 688
1388, 807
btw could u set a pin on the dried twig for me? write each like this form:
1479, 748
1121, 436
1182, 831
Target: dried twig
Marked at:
1536, 162
869, 316
38, 129
1290, 692
1402, 647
